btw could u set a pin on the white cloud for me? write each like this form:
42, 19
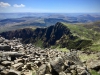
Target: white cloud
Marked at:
21, 5
2, 4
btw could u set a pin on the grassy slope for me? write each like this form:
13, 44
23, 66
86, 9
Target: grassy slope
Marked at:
86, 34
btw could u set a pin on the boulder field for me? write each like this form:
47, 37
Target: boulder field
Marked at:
26, 59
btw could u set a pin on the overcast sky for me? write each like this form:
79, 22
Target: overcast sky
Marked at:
50, 6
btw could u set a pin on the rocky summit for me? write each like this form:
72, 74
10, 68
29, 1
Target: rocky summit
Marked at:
26, 59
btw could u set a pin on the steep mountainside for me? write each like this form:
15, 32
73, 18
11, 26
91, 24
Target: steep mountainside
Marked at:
90, 31
59, 35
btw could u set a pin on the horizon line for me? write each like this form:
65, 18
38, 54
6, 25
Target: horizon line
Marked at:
55, 12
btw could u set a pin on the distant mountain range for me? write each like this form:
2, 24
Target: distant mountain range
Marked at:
13, 21
44, 15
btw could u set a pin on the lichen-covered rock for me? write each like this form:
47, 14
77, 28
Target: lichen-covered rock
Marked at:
57, 64
6, 63
42, 70
1, 40
5, 47
62, 73
4, 72
94, 65
82, 70
13, 72
18, 66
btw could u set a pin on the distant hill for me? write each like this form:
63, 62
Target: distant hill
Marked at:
61, 34
13, 21
89, 17
24, 22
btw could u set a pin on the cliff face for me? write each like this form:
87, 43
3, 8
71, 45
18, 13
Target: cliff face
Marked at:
22, 33
57, 35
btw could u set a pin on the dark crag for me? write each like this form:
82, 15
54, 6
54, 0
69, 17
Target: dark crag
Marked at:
57, 35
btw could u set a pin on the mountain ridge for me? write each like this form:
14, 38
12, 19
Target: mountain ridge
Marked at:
56, 35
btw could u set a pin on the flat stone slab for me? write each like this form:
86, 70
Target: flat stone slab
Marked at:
6, 63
